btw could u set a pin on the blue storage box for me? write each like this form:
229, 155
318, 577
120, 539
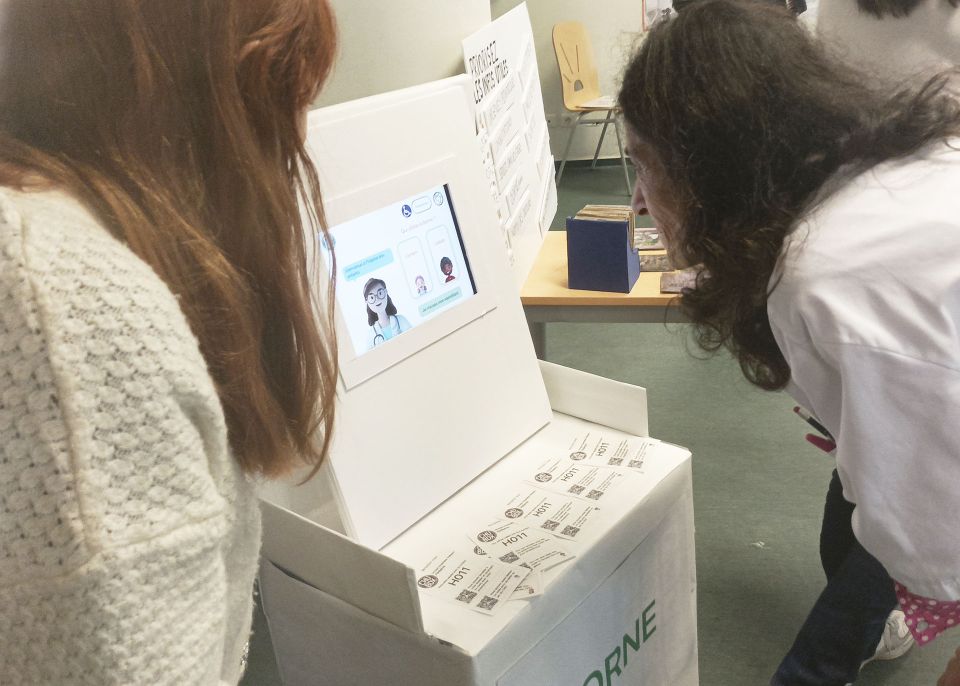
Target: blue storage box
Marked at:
601, 255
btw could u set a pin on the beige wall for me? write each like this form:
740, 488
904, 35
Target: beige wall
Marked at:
390, 44
614, 27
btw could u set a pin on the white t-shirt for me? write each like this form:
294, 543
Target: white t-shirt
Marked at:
867, 314
896, 49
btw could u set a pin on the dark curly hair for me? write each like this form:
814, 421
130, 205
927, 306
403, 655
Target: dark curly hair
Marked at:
749, 117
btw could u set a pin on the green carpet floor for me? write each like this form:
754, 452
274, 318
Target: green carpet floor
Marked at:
758, 489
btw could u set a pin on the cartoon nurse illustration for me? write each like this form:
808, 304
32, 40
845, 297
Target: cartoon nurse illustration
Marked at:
382, 315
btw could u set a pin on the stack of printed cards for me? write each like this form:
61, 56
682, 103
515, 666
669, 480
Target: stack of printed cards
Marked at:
479, 583
575, 478
594, 449
534, 529
563, 516
518, 543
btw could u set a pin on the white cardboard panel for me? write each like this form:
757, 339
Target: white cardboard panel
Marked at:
318, 499
332, 563
349, 108
559, 639
642, 548
637, 629
319, 640
619, 405
417, 432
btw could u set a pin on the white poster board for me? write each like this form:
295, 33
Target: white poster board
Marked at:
501, 62
393, 167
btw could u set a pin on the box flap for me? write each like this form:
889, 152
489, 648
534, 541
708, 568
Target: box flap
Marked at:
320, 640
332, 563
619, 405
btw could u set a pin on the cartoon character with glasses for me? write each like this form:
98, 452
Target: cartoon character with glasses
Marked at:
382, 315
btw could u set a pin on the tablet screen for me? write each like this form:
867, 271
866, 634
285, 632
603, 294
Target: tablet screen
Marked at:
399, 266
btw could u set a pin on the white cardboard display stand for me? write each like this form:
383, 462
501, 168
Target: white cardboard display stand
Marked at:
430, 437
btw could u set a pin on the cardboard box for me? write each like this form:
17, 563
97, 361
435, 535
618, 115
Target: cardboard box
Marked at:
434, 431
622, 613
601, 255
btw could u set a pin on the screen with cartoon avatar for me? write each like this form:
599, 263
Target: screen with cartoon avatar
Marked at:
399, 266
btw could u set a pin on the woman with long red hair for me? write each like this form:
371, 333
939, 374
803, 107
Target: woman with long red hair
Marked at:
159, 348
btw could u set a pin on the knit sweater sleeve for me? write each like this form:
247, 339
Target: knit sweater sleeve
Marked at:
116, 484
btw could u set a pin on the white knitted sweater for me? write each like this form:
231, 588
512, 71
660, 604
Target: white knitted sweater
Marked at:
128, 534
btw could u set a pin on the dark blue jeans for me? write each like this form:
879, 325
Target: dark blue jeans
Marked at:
845, 625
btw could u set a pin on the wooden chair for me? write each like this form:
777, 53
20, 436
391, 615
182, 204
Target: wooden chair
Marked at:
581, 90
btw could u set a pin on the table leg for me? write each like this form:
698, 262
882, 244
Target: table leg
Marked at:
538, 332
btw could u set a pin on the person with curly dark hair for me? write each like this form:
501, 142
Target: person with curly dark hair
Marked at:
821, 210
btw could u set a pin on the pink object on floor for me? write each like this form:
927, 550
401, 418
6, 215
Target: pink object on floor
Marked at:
927, 618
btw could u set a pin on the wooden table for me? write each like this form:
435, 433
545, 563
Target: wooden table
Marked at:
546, 298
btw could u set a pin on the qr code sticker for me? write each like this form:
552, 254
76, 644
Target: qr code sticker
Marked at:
594, 495
509, 557
550, 525
466, 596
636, 464
615, 461
487, 603
576, 489
571, 531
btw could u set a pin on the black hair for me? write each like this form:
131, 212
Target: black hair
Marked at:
446, 260
749, 117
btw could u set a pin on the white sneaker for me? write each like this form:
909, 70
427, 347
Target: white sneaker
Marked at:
896, 639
